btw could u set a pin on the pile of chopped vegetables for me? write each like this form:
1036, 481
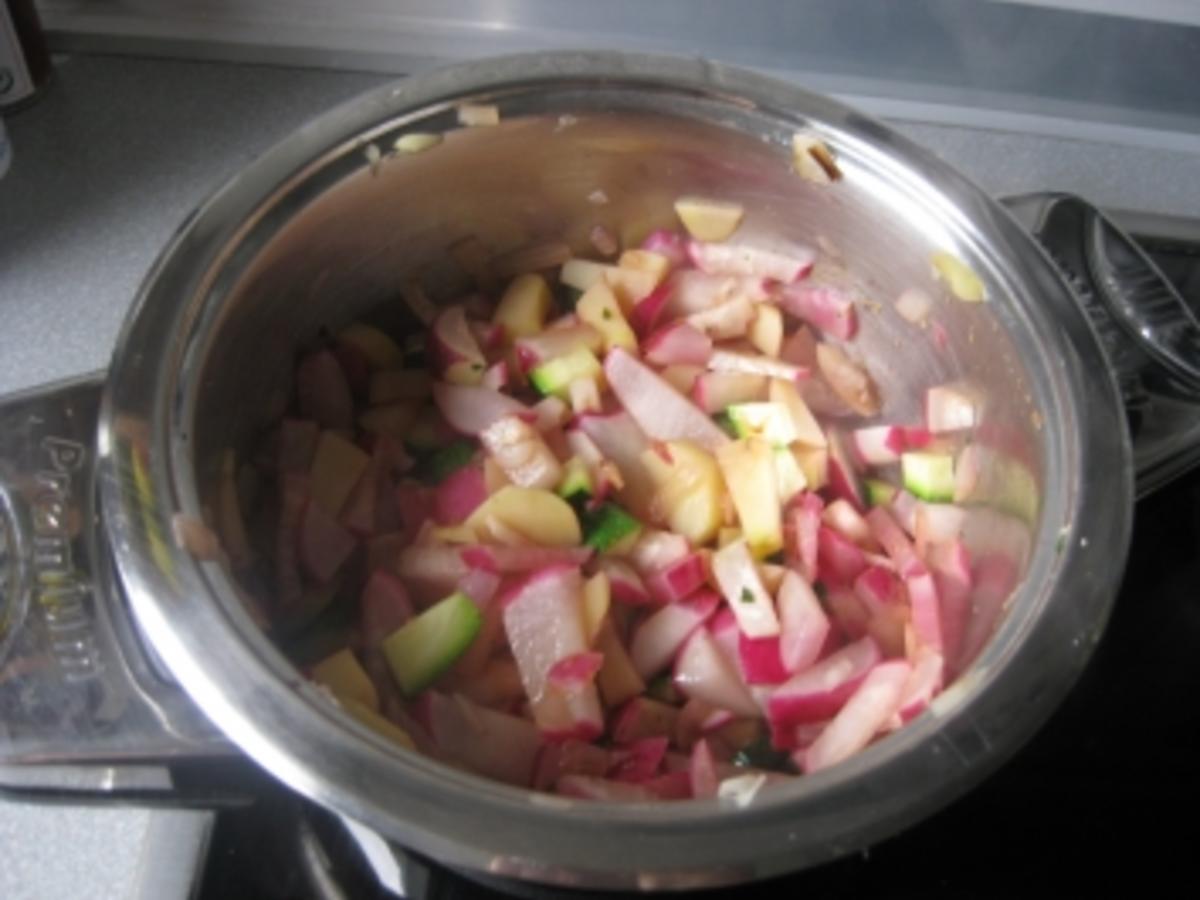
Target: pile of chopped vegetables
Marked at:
628, 530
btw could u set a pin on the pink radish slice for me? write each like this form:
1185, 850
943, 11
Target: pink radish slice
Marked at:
297, 445
702, 771
802, 529
638, 761
842, 517
568, 758
994, 577
624, 583
702, 671
323, 391
471, 409
879, 445
644, 316
796, 737
892, 538
739, 259
324, 544
480, 585
437, 568
819, 691
507, 560
696, 292
751, 364
848, 612
642, 717
803, 624
659, 637
656, 550
839, 561
669, 786
459, 495
453, 341
678, 579
666, 243
734, 570
491, 743
714, 391
828, 308
927, 678
678, 344
385, 607
760, 660
865, 713
926, 610
584, 787
878, 589
659, 410
572, 670
843, 478
951, 567
621, 441
496, 376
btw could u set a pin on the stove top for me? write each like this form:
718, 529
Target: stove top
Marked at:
1105, 793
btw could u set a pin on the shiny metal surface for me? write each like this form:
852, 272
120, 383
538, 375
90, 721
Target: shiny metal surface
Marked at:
75, 687
315, 234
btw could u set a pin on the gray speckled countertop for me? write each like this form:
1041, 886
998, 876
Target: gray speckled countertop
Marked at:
110, 161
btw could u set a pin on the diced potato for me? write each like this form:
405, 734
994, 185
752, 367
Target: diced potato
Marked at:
728, 536
474, 115
598, 307
337, 465
541, 517
959, 277
392, 420
766, 330
646, 261
814, 463
808, 431
709, 220
380, 351
343, 675
522, 310
688, 498
596, 599
749, 469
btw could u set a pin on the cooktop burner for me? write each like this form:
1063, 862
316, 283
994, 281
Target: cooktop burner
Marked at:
1106, 792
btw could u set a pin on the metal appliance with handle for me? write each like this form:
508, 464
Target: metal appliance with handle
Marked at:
120, 650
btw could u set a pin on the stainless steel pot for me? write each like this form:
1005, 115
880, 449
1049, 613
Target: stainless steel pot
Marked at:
106, 614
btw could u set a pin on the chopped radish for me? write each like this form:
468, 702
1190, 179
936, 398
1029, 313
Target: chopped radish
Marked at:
656, 550
892, 538
865, 713
879, 445
459, 358
669, 786
323, 392
656, 641
740, 259
496, 376
638, 761
702, 771
713, 392
803, 624
878, 589
926, 610
459, 495
666, 243
657, 407
641, 718
491, 743
646, 312
626, 585
697, 292
324, 544
802, 533
843, 518
819, 691
849, 380
480, 585
760, 660
952, 407
848, 612
923, 684
839, 560
735, 572
678, 579
678, 344
385, 607
522, 453
951, 567
584, 787
825, 307
843, 479
749, 364
575, 669
471, 409
523, 559
702, 671
729, 320
556, 341
568, 758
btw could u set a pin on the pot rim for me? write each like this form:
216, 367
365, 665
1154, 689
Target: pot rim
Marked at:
230, 669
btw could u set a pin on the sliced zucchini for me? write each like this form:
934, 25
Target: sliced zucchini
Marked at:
424, 648
929, 476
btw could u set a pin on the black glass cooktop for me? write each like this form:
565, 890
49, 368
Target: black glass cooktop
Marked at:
1105, 798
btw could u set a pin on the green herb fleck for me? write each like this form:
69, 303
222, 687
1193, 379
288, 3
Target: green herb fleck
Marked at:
443, 462
607, 313
747, 596
726, 424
